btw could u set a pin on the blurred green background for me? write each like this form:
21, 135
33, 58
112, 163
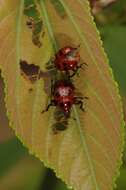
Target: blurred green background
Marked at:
21, 171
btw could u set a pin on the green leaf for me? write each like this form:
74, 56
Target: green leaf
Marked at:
20, 176
87, 154
115, 45
11, 152
121, 182
5, 132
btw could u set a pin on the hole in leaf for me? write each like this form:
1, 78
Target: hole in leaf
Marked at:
34, 22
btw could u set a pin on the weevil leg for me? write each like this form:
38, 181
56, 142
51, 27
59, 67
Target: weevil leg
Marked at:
80, 103
49, 105
81, 66
77, 68
74, 73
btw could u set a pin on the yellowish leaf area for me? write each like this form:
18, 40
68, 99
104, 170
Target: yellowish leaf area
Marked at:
87, 155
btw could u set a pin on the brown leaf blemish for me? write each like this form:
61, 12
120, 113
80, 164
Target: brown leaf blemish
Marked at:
61, 121
30, 90
32, 73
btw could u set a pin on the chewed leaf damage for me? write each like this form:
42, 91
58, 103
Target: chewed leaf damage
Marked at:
34, 22
32, 73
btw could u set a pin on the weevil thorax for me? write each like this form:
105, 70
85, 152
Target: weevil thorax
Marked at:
67, 58
64, 95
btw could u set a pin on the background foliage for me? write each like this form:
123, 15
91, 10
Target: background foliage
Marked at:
16, 165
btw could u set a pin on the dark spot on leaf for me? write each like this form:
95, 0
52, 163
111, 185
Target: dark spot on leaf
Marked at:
61, 121
32, 73
30, 89
58, 127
